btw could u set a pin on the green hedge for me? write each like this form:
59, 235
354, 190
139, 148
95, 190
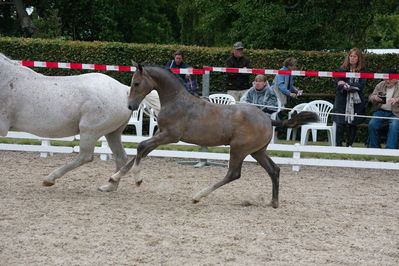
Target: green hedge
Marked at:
122, 54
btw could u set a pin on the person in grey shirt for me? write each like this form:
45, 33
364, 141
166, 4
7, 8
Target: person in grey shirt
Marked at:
261, 93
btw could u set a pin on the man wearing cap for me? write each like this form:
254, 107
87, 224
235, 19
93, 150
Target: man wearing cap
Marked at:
237, 83
385, 100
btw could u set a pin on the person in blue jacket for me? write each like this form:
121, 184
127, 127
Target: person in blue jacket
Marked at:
283, 85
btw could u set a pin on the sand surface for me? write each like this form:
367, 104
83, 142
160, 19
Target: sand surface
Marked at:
335, 216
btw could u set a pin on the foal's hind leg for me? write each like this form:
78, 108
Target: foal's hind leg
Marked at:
233, 173
115, 144
272, 169
87, 144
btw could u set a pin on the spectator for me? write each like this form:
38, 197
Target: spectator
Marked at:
189, 81
178, 62
283, 85
237, 83
261, 93
385, 101
349, 98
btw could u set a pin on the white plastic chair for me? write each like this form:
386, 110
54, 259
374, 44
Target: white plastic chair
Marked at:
296, 109
153, 122
323, 109
136, 119
221, 98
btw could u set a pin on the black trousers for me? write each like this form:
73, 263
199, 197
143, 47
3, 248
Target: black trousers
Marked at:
345, 131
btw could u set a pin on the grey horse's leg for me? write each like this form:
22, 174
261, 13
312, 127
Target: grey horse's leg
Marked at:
4, 126
272, 169
233, 173
87, 144
143, 150
115, 144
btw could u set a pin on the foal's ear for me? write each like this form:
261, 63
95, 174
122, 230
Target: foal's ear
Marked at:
137, 66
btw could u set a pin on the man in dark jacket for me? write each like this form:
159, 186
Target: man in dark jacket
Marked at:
237, 83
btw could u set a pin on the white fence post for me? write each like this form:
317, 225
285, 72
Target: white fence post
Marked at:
104, 156
296, 156
46, 143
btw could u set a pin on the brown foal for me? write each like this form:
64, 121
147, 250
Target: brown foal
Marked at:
184, 117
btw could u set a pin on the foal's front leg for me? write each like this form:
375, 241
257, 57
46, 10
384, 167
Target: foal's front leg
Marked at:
143, 150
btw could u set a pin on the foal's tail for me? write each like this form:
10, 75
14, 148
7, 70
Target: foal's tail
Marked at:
298, 120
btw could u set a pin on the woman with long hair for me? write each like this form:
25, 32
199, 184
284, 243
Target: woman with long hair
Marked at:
349, 98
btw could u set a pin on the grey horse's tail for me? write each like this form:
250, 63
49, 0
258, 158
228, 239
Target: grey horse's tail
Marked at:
298, 120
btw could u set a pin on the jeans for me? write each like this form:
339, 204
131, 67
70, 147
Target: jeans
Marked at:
393, 132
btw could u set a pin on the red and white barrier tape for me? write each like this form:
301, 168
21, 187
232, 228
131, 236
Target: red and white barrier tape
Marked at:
100, 67
304, 73
216, 69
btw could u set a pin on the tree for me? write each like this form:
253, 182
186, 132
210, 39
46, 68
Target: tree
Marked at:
384, 32
205, 22
261, 24
25, 21
49, 26
119, 20
281, 24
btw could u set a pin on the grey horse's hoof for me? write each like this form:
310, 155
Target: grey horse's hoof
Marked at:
108, 188
138, 183
48, 183
195, 201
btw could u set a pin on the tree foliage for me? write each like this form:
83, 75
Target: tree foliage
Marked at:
261, 24
140, 21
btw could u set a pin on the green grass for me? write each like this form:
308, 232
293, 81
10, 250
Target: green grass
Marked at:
226, 149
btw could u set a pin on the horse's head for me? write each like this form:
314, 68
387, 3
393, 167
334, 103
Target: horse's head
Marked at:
141, 85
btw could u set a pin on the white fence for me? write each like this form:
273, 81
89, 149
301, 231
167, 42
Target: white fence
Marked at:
296, 160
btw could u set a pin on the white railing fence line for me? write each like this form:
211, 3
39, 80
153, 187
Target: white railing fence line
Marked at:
46, 149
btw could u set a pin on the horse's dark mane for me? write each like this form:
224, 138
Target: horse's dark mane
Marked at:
169, 72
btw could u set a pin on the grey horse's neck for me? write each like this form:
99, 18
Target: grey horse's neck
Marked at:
5, 60
8, 65
171, 91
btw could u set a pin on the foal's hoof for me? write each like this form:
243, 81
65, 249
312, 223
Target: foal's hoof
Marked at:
274, 204
138, 183
108, 188
48, 183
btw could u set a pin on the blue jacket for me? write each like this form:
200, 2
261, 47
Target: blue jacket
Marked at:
284, 81
283, 85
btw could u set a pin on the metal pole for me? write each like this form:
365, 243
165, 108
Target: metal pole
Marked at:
205, 83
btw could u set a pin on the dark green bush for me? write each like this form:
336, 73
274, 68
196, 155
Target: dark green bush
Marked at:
122, 54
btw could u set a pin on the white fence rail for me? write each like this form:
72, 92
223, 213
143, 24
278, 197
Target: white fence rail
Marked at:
296, 160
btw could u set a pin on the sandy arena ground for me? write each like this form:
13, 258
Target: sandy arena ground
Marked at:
327, 216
